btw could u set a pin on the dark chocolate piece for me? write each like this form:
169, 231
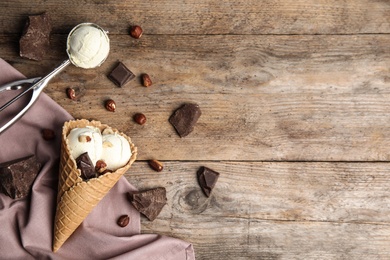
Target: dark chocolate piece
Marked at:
17, 176
207, 179
121, 75
149, 202
35, 41
185, 118
85, 165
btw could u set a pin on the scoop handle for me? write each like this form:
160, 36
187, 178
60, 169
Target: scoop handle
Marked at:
37, 89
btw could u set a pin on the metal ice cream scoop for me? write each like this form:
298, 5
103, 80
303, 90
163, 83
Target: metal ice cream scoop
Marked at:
75, 43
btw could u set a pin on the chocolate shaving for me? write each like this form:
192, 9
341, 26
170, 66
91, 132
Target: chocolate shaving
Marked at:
35, 40
207, 179
185, 118
17, 176
149, 202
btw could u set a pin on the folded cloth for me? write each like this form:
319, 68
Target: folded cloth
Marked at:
27, 224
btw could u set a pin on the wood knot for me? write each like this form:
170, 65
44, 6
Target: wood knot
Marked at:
193, 200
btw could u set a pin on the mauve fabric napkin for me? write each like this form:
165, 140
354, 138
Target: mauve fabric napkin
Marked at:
26, 225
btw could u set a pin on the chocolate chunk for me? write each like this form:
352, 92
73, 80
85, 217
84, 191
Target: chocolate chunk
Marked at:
149, 202
207, 179
35, 40
121, 75
17, 176
86, 166
185, 118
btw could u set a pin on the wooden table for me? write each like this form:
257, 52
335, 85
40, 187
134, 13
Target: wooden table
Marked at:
295, 99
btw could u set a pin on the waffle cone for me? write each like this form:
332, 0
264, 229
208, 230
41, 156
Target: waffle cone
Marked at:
76, 197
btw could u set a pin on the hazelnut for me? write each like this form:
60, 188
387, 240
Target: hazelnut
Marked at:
71, 93
107, 131
123, 220
140, 118
146, 81
84, 139
101, 166
107, 144
110, 105
156, 165
48, 134
136, 31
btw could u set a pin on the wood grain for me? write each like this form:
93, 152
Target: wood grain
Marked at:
295, 116
275, 210
285, 98
208, 17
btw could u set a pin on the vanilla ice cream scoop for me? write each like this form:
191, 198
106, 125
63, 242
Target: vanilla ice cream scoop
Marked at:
116, 151
111, 147
88, 139
88, 45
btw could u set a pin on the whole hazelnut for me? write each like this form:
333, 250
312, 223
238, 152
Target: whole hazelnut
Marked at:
110, 105
136, 31
100, 166
71, 93
140, 118
146, 81
123, 220
48, 134
156, 165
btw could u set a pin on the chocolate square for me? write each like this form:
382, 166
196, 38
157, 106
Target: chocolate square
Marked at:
17, 176
85, 165
35, 40
207, 179
149, 202
185, 118
121, 75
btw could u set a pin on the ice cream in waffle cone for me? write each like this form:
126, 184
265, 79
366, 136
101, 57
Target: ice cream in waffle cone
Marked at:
76, 196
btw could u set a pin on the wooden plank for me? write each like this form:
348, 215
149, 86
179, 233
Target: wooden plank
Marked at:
273, 240
328, 192
208, 17
275, 210
321, 98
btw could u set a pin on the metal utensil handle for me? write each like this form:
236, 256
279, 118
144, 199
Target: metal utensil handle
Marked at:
41, 82
37, 89
15, 85
22, 112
